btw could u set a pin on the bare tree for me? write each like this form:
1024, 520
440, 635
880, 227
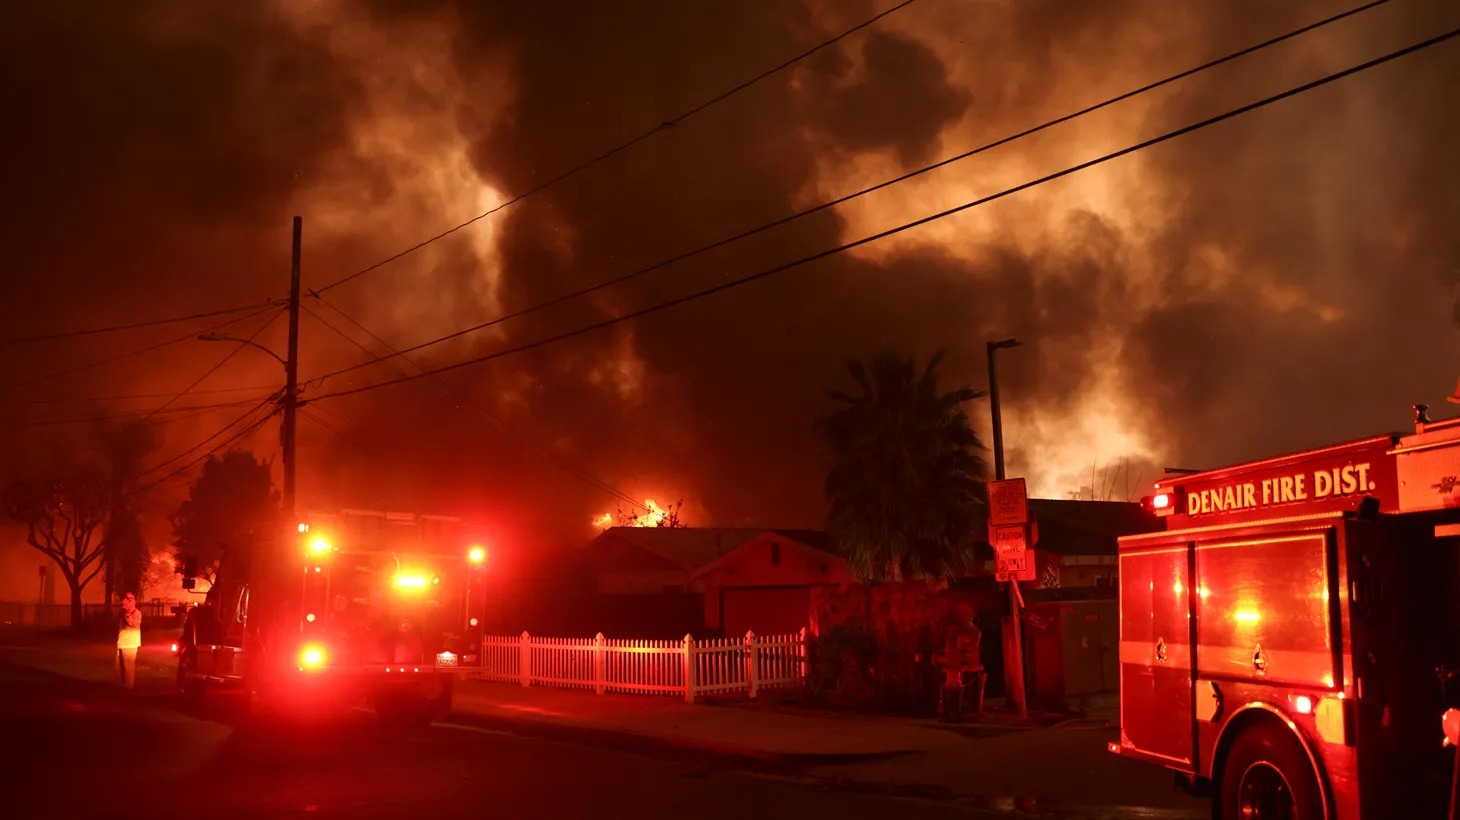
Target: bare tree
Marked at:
63, 515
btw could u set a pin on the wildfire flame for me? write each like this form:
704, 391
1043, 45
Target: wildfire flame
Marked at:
651, 518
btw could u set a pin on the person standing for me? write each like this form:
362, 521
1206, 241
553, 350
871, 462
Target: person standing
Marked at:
129, 640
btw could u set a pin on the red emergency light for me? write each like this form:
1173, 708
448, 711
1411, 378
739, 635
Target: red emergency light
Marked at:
1166, 501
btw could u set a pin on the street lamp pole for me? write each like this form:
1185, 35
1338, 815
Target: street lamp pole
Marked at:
1014, 675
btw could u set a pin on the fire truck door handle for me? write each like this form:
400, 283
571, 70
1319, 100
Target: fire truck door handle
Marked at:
1160, 650
1259, 659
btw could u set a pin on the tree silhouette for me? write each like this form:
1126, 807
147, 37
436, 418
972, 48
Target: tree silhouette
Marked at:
232, 500
62, 513
905, 486
653, 516
125, 553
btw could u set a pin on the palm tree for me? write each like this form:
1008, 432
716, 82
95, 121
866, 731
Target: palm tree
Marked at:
906, 484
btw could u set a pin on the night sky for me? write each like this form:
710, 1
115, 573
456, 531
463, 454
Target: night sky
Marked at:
1279, 281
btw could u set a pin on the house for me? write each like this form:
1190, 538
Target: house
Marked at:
742, 579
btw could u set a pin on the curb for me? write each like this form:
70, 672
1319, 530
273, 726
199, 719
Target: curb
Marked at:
792, 767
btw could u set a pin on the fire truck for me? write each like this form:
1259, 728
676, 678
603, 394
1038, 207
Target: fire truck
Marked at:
346, 608
1286, 643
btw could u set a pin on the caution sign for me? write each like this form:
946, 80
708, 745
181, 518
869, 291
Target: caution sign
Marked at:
1011, 553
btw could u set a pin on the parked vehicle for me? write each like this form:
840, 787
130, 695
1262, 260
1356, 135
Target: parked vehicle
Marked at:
345, 608
1285, 643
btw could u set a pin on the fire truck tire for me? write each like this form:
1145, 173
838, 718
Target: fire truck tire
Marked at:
188, 688
1268, 774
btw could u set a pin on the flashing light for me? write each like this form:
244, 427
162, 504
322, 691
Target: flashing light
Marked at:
312, 657
1247, 616
309, 617
410, 582
174, 649
1161, 501
473, 621
477, 554
320, 545
1303, 705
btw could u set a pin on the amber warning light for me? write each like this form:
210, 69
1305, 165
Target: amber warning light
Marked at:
312, 657
477, 554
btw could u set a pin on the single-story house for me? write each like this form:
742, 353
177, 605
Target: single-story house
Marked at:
756, 580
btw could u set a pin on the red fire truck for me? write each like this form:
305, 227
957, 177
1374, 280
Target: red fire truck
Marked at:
1286, 642
352, 606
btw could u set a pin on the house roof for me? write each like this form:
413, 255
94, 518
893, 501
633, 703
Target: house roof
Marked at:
699, 546
1088, 527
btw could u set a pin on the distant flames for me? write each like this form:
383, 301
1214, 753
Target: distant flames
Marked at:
653, 515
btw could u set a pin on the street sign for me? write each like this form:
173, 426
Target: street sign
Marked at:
1008, 503
1010, 550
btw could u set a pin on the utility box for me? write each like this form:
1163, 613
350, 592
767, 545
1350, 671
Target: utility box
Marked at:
1071, 651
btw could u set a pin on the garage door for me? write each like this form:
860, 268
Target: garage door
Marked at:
765, 610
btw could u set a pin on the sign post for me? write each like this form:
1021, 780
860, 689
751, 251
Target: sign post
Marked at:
1008, 533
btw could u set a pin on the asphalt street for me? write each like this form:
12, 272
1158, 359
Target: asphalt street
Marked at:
81, 750
74, 747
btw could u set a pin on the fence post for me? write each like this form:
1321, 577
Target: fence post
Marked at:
802, 652
752, 676
689, 669
598, 664
524, 664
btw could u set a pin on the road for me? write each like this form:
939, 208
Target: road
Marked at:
78, 748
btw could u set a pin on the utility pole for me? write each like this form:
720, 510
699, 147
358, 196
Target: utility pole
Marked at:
1013, 677
291, 376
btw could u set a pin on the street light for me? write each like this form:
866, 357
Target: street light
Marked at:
994, 402
217, 337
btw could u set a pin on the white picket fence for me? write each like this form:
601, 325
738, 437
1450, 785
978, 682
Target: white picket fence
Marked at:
689, 668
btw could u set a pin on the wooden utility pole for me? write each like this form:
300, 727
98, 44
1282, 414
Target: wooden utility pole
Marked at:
291, 377
1014, 676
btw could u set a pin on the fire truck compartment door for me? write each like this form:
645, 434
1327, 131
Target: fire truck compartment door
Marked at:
1262, 609
1155, 653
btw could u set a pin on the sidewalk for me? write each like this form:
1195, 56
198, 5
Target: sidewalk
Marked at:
1031, 769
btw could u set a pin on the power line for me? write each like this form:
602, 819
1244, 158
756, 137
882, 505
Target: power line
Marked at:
142, 415
1170, 135
214, 369
134, 396
879, 186
71, 334
252, 428
670, 123
139, 351
506, 429
267, 401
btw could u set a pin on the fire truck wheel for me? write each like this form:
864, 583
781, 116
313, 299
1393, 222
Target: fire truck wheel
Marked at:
191, 689
1268, 775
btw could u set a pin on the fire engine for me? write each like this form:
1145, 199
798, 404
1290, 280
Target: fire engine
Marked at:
1287, 641
354, 606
